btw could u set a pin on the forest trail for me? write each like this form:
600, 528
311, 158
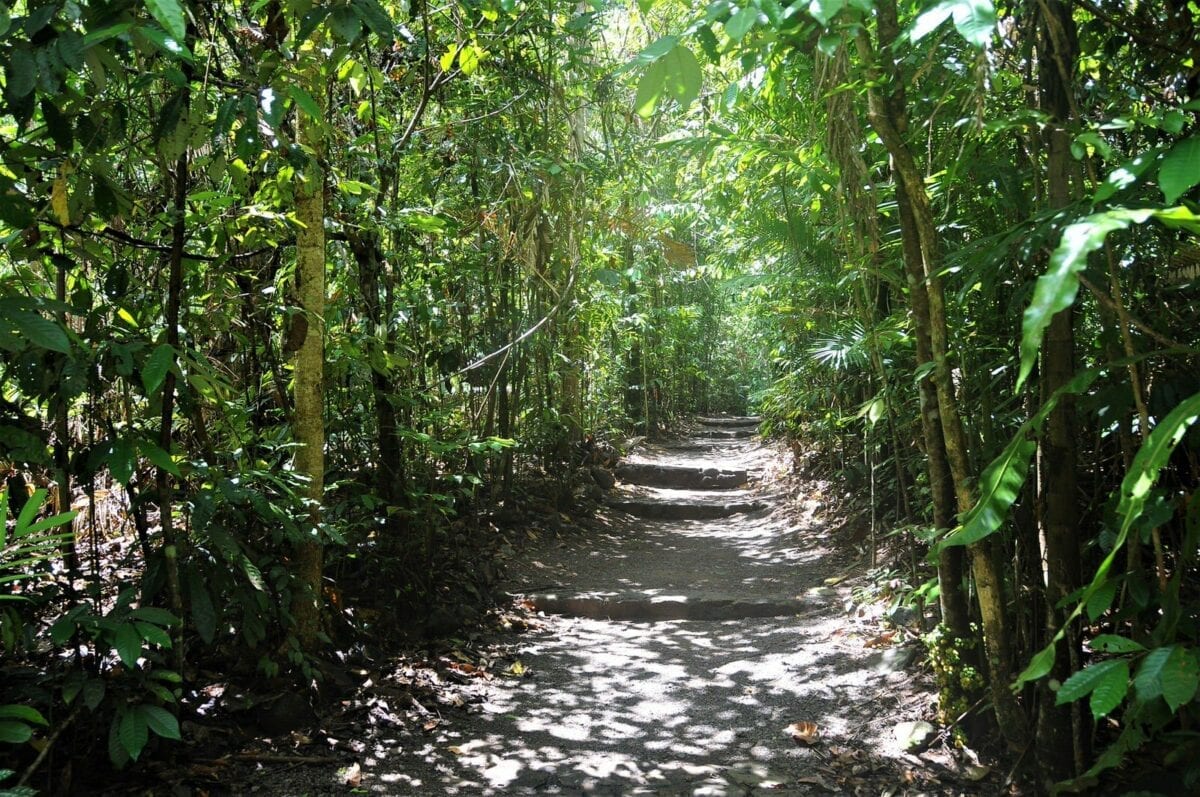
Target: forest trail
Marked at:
675, 651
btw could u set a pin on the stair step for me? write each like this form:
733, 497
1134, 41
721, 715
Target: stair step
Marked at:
680, 476
665, 510
656, 609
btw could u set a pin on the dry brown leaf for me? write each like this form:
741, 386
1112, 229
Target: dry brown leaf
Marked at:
456, 750
881, 641
431, 724
804, 732
353, 775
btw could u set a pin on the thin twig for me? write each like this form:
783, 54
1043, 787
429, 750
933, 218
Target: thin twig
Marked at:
1108, 302
49, 744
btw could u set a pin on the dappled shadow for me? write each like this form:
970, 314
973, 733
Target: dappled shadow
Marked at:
677, 706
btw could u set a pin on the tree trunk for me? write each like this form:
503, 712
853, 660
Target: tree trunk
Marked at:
889, 120
308, 422
1061, 746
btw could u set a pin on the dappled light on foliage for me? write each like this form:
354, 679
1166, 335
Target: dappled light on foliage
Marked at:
324, 326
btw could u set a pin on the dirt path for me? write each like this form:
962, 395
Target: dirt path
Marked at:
678, 645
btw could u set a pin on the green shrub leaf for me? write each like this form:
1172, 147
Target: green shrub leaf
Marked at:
161, 721
133, 732
1111, 689
169, 14
1180, 169
128, 643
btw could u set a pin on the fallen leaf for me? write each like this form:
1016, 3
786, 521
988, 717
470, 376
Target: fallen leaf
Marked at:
881, 641
431, 724
803, 732
353, 775
516, 668
456, 750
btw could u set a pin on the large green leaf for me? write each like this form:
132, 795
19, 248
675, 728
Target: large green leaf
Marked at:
1055, 290
975, 20
169, 14
1179, 678
156, 367
740, 23
133, 732
1180, 169
650, 89
1135, 489
161, 721
41, 331
15, 732
825, 10
1111, 690
128, 643
1001, 482
1110, 678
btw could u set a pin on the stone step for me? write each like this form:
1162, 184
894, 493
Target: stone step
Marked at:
731, 420
680, 476
667, 607
726, 434
666, 510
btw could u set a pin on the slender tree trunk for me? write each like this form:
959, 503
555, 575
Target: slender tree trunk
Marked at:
1061, 743
308, 423
889, 120
171, 542
951, 562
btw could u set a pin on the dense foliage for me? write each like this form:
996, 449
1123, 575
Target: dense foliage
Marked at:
300, 293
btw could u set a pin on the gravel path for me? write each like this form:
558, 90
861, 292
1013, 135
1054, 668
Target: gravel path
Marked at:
728, 634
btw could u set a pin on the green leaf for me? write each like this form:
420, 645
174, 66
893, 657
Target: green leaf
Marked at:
154, 372
22, 713
1101, 599
204, 615
975, 20
21, 72
1056, 289
1180, 169
650, 88
683, 76
153, 634
305, 102
93, 693
1041, 663
121, 460
738, 25
1180, 678
29, 511
1148, 680
930, 20
1000, 486
375, 18
656, 50
1111, 643
345, 24
1111, 690
153, 614
159, 457
133, 733
1086, 679
41, 331
15, 733
825, 10
161, 721
169, 14
128, 643
1127, 174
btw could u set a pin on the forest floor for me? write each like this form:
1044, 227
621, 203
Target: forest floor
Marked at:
710, 637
